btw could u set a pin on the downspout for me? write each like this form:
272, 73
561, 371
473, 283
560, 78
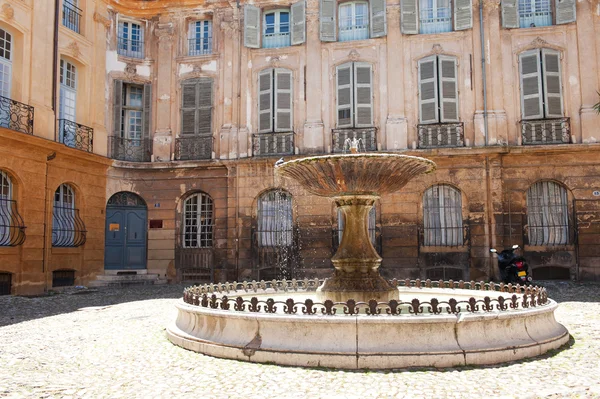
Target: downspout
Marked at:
55, 63
483, 73
237, 152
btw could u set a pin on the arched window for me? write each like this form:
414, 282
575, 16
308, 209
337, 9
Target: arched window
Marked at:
442, 216
275, 219
68, 229
354, 21
547, 214
198, 221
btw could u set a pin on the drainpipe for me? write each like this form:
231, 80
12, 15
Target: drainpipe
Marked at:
483, 74
49, 158
55, 62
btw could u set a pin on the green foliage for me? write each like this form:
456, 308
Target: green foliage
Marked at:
597, 105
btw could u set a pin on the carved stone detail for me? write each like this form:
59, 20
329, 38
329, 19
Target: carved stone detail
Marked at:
73, 48
130, 70
165, 32
102, 20
230, 27
7, 11
275, 61
437, 49
354, 55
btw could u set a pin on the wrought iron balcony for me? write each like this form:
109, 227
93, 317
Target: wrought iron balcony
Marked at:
76, 135
546, 131
16, 116
193, 148
68, 230
130, 48
200, 46
341, 139
71, 16
265, 144
441, 135
132, 150
12, 228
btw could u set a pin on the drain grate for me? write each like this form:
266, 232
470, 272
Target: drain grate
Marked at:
63, 278
5, 283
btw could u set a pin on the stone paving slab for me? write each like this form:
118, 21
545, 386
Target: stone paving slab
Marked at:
111, 343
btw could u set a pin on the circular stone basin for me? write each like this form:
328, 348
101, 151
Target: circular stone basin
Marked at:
433, 324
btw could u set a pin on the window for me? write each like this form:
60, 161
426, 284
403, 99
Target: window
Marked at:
130, 40
354, 21
275, 219
354, 99
358, 20
442, 216
132, 111
435, 16
67, 110
198, 221
6, 50
541, 85
438, 89
535, 13
68, 229
547, 214
275, 102
6, 212
195, 139
200, 38
280, 28
372, 226
71, 15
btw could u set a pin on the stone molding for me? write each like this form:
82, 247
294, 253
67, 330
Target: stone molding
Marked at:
101, 19
7, 11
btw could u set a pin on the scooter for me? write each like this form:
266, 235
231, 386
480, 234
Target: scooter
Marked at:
513, 268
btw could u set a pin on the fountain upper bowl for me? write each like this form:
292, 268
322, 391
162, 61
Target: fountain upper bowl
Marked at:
355, 174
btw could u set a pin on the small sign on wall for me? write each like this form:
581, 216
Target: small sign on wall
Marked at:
114, 227
596, 193
156, 223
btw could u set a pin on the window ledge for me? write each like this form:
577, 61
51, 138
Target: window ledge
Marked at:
80, 37
452, 35
132, 60
191, 58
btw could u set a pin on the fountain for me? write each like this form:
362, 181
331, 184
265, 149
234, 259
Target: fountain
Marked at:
356, 318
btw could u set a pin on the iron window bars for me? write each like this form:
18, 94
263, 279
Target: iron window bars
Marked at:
200, 46
71, 15
68, 229
12, 228
133, 48
16, 116
76, 135
198, 222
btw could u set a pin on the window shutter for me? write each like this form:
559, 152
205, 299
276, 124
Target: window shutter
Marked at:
428, 101
327, 20
188, 108
463, 14
566, 11
205, 105
117, 108
265, 101
147, 110
531, 84
344, 101
409, 21
448, 80
510, 14
553, 102
251, 26
363, 95
377, 13
283, 100
298, 19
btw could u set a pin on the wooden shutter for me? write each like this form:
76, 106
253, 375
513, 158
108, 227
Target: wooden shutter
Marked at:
566, 11
428, 98
298, 19
205, 105
189, 104
553, 101
463, 14
448, 80
265, 101
510, 13
531, 84
377, 14
363, 95
118, 108
327, 20
146, 122
344, 103
409, 21
251, 26
283, 100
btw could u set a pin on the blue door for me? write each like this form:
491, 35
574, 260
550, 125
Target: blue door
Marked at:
125, 244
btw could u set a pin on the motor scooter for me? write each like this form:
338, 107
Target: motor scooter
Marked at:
513, 268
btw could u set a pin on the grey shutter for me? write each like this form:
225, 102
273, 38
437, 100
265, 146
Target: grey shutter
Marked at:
298, 19
251, 26
283, 100
448, 80
265, 101
377, 13
344, 103
428, 90
409, 21
363, 95
566, 11
553, 101
531, 84
463, 14
327, 19
510, 14
205, 105
146, 122
188, 108
118, 108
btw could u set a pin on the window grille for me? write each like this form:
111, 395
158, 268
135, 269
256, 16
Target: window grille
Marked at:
71, 15
198, 222
12, 229
435, 16
442, 216
276, 29
130, 40
547, 214
200, 38
275, 219
354, 21
68, 230
63, 278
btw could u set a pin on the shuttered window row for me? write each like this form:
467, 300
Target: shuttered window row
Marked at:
354, 23
438, 90
534, 13
354, 100
275, 101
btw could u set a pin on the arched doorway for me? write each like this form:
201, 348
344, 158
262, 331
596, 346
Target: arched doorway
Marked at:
125, 243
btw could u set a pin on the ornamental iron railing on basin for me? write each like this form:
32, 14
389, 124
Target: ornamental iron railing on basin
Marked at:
441, 135
76, 135
16, 116
68, 229
133, 150
193, 148
546, 131
265, 144
12, 228
341, 139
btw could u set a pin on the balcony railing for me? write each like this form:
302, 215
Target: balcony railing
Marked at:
441, 135
68, 230
341, 139
274, 40
265, 144
16, 116
76, 135
200, 46
193, 148
546, 131
130, 48
350, 32
12, 228
133, 150
71, 16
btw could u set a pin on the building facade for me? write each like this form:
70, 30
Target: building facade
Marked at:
153, 127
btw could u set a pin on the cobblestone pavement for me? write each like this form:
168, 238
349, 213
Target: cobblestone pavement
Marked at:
111, 343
